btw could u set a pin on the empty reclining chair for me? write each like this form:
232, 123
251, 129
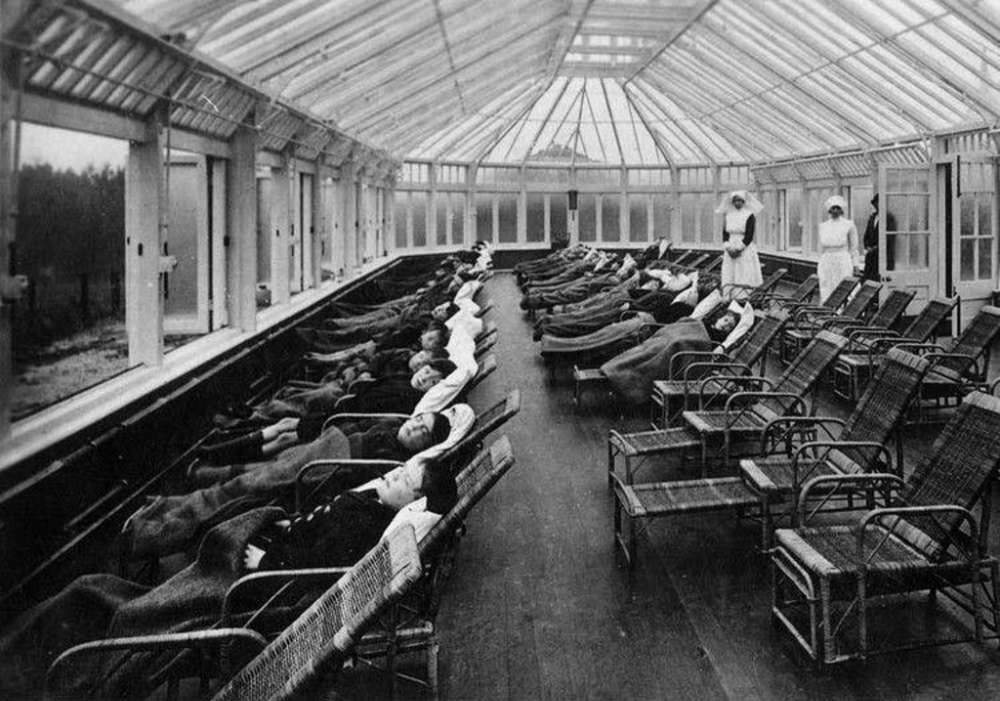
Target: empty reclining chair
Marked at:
865, 345
925, 539
961, 369
885, 317
754, 295
744, 418
807, 320
785, 465
802, 294
837, 299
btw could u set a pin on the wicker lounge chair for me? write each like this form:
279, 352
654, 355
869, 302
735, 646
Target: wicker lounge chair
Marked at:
672, 396
411, 625
837, 299
961, 369
926, 539
885, 317
740, 421
859, 446
807, 320
754, 295
802, 294
745, 416
311, 650
865, 345
457, 456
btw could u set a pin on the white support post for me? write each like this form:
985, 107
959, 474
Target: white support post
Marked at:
651, 234
522, 208
144, 190
676, 216
280, 234
624, 210
548, 218
599, 217
8, 222
320, 225
241, 259
471, 234
350, 214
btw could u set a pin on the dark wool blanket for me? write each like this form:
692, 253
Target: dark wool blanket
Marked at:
632, 373
102, 605
596, 341
170, 523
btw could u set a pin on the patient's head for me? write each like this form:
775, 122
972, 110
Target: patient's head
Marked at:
423, 430
432, 373
726, 323
435, 335
421, 358
415, 479
444, 311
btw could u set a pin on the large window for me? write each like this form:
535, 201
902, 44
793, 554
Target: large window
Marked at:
69, 330
558, 229
793, 218
535, 213
588, 217
458, 218
484, 216
662, 211
441, 218
610, 218
402, 216
507, 211
638, 217
418, 209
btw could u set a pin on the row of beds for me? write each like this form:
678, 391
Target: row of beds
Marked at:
379, 612
840, 519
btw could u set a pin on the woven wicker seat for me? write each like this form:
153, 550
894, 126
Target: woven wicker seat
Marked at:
645, 443
925, 539
739, 422
856, 366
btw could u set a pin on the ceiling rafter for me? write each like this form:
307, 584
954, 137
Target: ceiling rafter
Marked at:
672, 37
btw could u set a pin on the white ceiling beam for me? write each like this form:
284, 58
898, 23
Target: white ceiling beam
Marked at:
636, 12
696, 15
548, 116
691, 138
518, 117
564, 42
614, 122
447, 48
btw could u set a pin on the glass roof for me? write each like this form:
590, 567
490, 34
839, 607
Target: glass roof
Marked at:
608, 81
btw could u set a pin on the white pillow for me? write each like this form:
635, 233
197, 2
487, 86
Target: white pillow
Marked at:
742, 326
690, 294
416, 515
461, 417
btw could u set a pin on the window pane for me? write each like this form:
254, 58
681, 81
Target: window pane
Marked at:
508, 218
638, 217
967, 269
707, 228
401, 204
918, 251
458, 218
68, 332
535, 224
588, 217
441, 205
985, 258
610, 222
418, 204
557, 217
662, 211
689, 222
793, 214
484, 216
264, 232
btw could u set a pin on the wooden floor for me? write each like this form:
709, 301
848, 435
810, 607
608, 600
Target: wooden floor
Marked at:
538, 609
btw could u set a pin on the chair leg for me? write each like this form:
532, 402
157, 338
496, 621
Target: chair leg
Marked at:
432, 667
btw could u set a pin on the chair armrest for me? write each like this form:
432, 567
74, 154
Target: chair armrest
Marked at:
322, 575
165, 641
814, 446
727, 383
847, 325
871, 480
336, 465
797, 424
936, 358
993, 386
808, 314
730, 365
733, 417
920, 348
876, 515
689, 356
